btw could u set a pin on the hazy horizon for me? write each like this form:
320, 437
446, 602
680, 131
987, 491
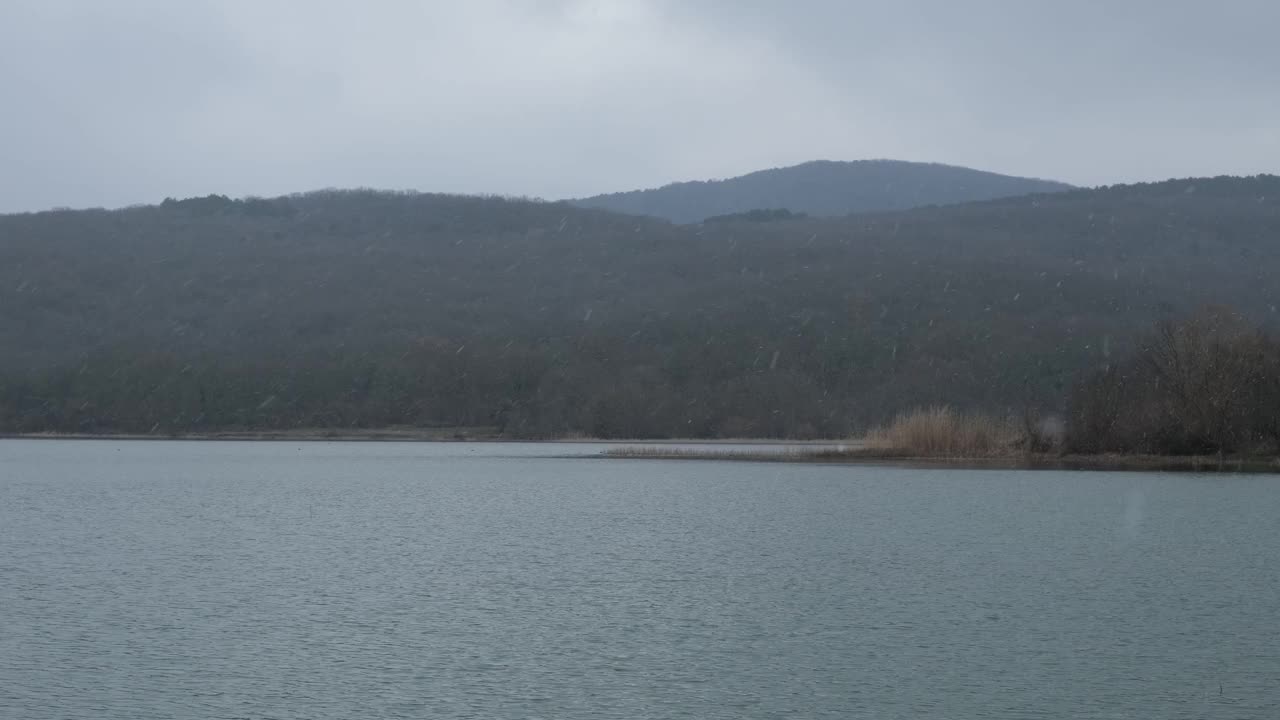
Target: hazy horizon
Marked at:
535, 198
131, 103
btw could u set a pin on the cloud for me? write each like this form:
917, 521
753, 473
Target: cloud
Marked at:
135, 100
1091, 92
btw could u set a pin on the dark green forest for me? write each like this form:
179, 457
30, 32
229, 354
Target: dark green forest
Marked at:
363, 309
822, 188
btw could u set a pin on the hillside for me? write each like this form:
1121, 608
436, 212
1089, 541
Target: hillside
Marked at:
365, 309
823, 188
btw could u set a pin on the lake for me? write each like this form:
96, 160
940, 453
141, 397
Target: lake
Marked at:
403, 580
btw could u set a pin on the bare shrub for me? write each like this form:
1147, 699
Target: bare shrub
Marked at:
1205, 385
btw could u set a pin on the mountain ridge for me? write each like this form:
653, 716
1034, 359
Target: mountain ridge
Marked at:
363, 309
824, 188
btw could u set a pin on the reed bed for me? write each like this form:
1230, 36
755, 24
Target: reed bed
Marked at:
942, 431
669, 453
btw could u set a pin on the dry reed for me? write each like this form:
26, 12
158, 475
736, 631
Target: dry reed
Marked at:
942, 431
710, 453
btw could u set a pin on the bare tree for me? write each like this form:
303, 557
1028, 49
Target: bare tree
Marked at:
1205, 370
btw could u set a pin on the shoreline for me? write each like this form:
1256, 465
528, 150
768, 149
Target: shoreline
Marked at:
764, 450
470, 435
1037, 461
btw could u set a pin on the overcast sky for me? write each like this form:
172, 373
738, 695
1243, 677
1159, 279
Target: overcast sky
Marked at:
129, 101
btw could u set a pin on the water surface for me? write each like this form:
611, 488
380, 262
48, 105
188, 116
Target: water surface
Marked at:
401, 580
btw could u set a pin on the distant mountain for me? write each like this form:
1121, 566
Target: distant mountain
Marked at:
823, 188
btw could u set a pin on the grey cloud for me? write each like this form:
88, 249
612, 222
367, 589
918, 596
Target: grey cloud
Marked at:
130, 101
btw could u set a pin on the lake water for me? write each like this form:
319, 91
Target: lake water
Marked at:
388, 580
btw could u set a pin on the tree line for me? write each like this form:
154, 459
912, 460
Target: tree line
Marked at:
1207, 384
366, 309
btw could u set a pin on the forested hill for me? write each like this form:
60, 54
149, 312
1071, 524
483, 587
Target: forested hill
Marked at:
823, 188
365, 309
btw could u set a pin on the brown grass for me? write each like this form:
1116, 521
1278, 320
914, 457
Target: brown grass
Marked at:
1010, 455
944, 432
709, 453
